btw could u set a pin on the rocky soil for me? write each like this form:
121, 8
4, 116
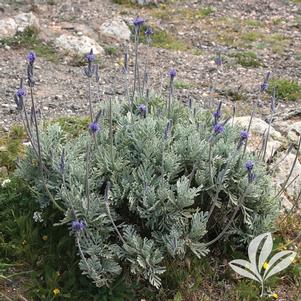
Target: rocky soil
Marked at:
252, 36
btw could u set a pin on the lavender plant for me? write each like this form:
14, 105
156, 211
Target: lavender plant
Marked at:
147, 182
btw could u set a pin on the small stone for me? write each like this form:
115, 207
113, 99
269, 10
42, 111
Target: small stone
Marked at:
58, 97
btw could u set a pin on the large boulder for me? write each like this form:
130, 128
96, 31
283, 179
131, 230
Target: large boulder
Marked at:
25, 20
115, 28
258, 126
258, 129
78, 44
294, 132
8, 27
283, 170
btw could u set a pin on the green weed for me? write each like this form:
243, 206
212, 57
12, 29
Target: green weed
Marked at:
29, 40
183, 13
253, 23
163, 39
11, 146
182, 85
111, 50
247, 59
286, 89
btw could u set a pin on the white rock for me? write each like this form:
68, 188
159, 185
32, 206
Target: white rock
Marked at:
294, 132
286, 204
25, 20
78, 44
116, 28
258, 126
84, 30
8, 27
255, 143
282, 172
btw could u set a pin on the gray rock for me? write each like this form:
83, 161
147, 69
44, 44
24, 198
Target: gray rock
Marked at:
82, 29
255, 143
78, 44
282, 172
286, 204
115, 28
8, 27
258, 126
294, 132
25, 20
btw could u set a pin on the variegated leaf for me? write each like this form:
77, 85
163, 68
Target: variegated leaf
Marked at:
245, 269
284, 259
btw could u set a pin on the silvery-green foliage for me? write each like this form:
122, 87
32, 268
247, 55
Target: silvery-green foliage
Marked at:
162, 186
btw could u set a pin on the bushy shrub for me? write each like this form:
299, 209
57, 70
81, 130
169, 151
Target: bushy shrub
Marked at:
143, 187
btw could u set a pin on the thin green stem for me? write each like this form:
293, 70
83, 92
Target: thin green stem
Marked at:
39, 154
137, 30
170, 98
87, 176
90, 101
37, 130
111, 129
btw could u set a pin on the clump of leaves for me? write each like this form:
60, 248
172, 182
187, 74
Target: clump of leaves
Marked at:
111, 50
285, 89
47, 254
73, 126
182, 85
247, 59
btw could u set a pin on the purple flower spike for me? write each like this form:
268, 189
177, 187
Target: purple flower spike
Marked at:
94, 127
142, 109
149, 32
217, 114
218, 60
90, 56
31, 57
251, 175
218, 128
78, 225
138, 22
265, 84
249, 165
21, 92
244, 135
172, 73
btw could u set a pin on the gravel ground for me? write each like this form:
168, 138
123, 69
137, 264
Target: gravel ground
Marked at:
225, 27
